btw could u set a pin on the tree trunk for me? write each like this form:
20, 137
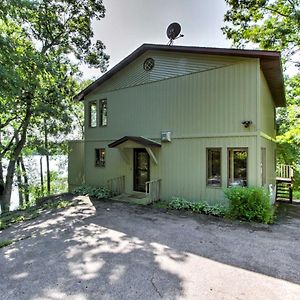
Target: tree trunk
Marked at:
47, 159
20, 183
25, 178
1, 178
42, 176
6, 196
1, 173
48, 175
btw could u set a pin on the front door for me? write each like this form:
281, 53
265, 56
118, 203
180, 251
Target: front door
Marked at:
141, 172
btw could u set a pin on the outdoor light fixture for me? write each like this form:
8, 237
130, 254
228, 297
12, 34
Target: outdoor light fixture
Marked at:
246, 123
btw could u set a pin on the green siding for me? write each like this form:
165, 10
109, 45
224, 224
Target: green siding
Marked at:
203, 109
166, 66
75, 164
206, 103
181, 166
267, 108
270, 160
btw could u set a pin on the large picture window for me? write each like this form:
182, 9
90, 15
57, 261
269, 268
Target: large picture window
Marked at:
100, 157
237, 167
213, 167
93, 114
103, 112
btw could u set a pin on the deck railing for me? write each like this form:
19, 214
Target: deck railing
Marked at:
153, 189
116, 185
285, 171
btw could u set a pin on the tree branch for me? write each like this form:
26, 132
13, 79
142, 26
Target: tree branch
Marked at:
7, 122
277, 12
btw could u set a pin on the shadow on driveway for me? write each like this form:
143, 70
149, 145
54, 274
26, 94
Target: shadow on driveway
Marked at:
110, 250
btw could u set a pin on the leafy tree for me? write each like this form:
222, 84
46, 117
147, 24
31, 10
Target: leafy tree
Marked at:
273, 25
40, 43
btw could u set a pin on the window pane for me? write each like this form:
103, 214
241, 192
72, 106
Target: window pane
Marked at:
93, 114
100, 157
237, 168
214, 167
103, 113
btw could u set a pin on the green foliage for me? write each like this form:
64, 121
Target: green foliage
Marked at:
161, 204
41, 45
5, 243
179, 203
97, 192
274, 25
250, 204
57, 204
296, 194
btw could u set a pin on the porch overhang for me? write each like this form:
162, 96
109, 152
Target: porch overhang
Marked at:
131, 142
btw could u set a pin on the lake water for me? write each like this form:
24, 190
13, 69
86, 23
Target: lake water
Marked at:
57, 163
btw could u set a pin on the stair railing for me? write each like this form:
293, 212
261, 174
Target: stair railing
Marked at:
285, 171
153, 189
116, 185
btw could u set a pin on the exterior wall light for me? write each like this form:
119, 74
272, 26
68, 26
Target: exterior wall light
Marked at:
246, 123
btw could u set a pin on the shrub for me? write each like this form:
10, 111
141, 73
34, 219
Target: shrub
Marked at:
97, 192
179, 203
251, 204
198, 207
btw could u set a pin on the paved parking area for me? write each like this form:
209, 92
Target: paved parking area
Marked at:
111, 250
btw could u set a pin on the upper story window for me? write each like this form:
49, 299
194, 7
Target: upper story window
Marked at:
103, 112
93, 114
238, 167
213, 167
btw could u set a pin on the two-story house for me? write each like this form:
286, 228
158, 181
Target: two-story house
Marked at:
182, 121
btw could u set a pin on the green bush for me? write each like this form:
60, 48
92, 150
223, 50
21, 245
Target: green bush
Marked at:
97, 192
198, 207
250, 204
296, 194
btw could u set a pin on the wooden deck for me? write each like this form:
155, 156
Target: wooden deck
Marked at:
284, 183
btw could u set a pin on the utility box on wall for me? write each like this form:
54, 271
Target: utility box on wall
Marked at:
165, 136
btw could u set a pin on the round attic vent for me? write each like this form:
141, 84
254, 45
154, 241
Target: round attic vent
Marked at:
149, 64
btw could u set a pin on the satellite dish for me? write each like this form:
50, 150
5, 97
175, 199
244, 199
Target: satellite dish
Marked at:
173, 32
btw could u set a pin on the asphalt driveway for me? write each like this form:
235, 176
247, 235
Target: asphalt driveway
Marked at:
110, 250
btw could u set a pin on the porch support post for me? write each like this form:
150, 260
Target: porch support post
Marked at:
150, 152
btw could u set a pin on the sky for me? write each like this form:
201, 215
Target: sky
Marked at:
130, 23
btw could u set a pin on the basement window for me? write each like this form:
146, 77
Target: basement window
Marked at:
100, 157
103, 112
93, 114
213, 178
237, 167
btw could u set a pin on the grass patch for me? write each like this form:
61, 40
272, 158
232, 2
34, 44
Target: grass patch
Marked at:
5, 243
30, 213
